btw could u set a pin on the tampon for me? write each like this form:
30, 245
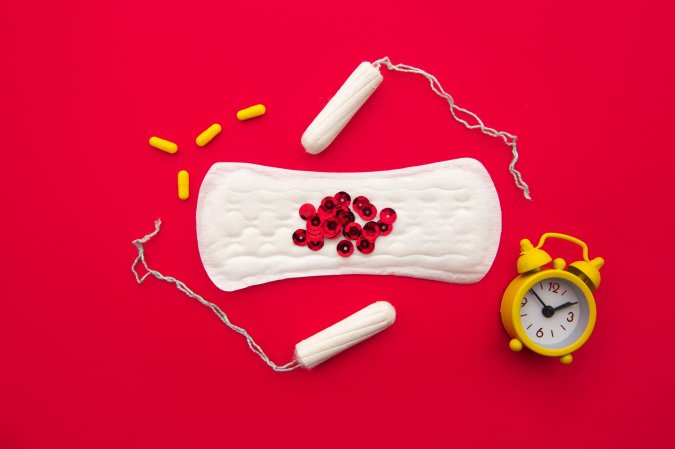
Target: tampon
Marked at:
343, 335
341, 108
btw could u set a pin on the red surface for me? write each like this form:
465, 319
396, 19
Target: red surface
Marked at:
92, 360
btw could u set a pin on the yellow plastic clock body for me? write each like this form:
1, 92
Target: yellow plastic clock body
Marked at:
538, 293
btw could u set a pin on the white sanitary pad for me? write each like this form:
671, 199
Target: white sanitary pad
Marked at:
447, 229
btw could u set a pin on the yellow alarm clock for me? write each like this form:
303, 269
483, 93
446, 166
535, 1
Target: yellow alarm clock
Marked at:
551, 311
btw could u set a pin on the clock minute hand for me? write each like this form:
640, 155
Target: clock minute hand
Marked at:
562, 306
538, 298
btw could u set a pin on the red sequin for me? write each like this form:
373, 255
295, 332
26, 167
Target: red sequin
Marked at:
359, 203
314, 224
328, 203
323, 213
349, 217
331, 228
365, 246
388, 215
352, 231
314, 243
342, 199
385, 228
339, 213
371, 231
345, 248
368, 212
306, 211
300, 237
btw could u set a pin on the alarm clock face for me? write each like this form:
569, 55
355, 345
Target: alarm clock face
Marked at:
554, 313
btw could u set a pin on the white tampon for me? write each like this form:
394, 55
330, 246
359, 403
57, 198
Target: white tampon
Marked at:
343, 335
341, 108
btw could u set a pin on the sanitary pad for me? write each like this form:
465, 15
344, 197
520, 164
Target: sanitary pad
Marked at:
447, 229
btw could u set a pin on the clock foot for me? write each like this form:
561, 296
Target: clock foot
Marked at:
566, 359
515, 345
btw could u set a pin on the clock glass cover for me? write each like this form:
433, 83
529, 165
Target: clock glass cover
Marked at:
554, 313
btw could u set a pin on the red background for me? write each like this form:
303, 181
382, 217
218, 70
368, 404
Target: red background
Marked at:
90, 359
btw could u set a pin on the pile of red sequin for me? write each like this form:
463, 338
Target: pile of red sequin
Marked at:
334, 218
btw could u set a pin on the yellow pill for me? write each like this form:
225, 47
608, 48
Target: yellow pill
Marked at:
163, 145
208, 135
183, 185
252, 112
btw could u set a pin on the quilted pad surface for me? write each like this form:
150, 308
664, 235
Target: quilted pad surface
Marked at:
447, 229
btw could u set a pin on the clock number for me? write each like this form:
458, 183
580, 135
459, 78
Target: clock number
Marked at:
540, 332
570, 317
522, 304
553, 287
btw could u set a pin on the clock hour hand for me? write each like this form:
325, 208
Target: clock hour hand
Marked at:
538, 298
562, 306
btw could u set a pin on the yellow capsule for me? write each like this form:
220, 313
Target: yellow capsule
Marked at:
208, 135
183, 185
252, 112
163, 145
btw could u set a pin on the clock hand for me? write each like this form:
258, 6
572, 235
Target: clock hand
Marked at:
547, 311
562, 306
537, 296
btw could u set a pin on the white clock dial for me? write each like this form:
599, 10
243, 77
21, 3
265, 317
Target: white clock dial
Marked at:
554, 313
